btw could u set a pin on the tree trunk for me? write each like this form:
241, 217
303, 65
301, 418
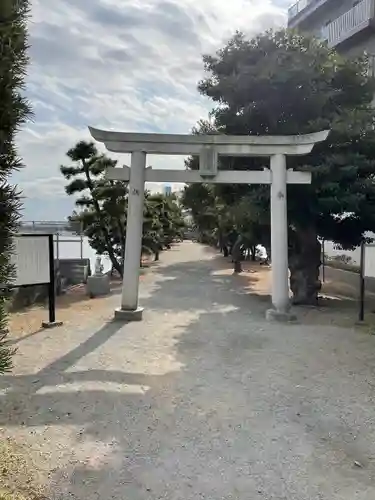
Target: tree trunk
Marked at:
253, 252
237, 267
304, 266
102, 224
268, 252
237, 254
220, 241
225, 251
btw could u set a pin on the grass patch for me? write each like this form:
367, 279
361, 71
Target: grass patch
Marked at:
11, 496
17, 481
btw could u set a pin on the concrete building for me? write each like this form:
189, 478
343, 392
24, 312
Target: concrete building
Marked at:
347, 25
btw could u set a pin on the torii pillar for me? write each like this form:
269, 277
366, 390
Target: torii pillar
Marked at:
208, 148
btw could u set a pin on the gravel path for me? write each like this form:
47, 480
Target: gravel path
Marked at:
202, 400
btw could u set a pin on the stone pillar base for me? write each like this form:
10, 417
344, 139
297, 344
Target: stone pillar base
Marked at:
51, 324
129, 315
280, 316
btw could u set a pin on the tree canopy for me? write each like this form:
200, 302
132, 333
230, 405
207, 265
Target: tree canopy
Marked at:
281, 83
14, 111
101, 207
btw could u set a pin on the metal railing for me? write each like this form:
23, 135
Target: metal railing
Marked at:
58, 239
349, 23
62, 233
44, 225
298, 7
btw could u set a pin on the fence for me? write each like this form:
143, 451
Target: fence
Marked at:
349, 23
69, 241
48, 226
59, 239
64, 232
298, 7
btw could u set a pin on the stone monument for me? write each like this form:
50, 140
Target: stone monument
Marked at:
98, 267
98, 284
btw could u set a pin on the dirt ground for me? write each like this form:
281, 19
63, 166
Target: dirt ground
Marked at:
17, 478
202, 399
72, 308
338, 304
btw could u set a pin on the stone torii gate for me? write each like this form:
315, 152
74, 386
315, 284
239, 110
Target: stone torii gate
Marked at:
208, 148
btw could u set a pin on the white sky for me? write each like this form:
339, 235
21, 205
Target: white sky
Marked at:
130, 65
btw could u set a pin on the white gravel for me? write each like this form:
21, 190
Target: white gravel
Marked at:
202, 400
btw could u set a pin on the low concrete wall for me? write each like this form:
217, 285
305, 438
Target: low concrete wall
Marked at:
345, 283
68, 272
28, 296
73, 271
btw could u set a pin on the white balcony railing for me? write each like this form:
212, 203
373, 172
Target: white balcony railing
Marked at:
353, 21
297, 8
371, 66
302, 9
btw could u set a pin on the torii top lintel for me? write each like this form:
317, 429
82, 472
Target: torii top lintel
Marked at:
226, 145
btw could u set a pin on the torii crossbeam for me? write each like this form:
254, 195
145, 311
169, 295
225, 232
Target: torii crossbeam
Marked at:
208, 148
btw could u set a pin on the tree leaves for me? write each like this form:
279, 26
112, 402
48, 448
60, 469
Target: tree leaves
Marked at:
282, 83
14, 111
102, 205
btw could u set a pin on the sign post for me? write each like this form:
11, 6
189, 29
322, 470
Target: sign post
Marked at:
366, 270
33, 261
51, 286
361, 315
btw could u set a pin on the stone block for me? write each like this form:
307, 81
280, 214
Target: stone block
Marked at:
129, 315
97, 286
280, 316
51, 324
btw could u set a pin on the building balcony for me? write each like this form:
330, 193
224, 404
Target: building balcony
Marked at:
298, 7
355, 20
302, 9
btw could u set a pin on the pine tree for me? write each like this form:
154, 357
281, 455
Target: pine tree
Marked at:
14, 111
101, 207
102, 203
280, 83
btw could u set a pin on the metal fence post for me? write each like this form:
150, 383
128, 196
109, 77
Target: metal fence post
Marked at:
57, 247
362, 283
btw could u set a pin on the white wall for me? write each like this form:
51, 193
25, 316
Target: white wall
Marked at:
355, 254
330, 251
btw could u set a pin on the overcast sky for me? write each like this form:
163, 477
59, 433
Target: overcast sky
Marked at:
130, 65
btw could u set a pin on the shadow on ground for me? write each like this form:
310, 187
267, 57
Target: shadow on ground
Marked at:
248, 413
338, 303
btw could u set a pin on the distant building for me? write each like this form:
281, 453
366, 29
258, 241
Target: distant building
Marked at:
167, 189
